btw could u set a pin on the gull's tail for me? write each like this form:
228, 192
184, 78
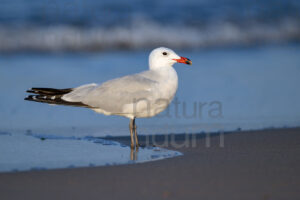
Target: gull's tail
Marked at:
52, 96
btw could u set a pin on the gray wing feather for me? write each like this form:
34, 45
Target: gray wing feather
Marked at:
79, 93
114, 94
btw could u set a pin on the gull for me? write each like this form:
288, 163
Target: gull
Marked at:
140, 95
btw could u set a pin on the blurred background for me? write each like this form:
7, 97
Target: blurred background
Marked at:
245, 54
63, 25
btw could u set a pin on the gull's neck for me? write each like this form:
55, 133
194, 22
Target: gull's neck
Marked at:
165, 73
158, 64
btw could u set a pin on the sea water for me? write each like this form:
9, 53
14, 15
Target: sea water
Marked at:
224, 89
91, 25
27, 152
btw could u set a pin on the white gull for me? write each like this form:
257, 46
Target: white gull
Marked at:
134, 96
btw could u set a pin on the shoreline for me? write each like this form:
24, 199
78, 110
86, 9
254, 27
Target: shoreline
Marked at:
260, 164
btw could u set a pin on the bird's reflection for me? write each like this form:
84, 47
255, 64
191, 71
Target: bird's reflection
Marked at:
134, 153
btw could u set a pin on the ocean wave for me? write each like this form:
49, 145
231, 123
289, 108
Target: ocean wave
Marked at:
145, 34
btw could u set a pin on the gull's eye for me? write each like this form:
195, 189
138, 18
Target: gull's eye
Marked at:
165, 53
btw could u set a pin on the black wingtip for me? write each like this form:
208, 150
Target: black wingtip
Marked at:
28, 98
49, 91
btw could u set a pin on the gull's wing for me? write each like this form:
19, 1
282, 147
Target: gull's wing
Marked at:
113, 95
79, 93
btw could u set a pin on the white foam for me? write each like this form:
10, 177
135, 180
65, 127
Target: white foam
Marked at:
146, 34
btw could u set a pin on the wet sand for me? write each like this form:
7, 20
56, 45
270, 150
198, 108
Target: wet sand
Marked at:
251, 165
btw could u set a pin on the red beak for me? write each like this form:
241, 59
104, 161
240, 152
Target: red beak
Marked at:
184, 60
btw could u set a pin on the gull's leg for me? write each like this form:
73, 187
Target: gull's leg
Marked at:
134, 154
135, 134
131, 154
131, 133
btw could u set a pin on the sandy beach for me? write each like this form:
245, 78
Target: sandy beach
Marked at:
251, 165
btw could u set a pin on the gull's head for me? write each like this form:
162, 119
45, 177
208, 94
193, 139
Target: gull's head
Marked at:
164, 57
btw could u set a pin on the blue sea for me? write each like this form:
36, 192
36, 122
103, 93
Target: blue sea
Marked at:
91, 25
224, 89
245, 72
